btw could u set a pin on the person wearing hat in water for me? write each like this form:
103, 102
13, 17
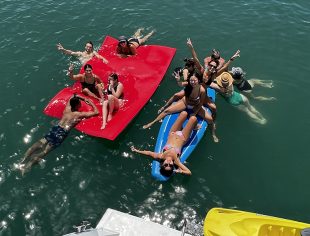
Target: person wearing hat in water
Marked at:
245, 86
224, 85
84, 56
128, 47
70, 118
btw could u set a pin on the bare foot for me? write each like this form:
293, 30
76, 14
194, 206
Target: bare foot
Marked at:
147, 126
109, 117
215, 138
103, 126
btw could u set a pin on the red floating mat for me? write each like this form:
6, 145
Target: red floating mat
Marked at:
140, 75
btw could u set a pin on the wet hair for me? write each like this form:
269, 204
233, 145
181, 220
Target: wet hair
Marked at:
188, 88
91, 43
189, 62
198, 75
75, 103
114, 76
164, 172
215, 54
88, 66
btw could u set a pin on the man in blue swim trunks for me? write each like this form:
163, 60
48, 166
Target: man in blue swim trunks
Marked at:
70, 118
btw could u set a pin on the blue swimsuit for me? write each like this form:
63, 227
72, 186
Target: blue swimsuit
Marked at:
56, 135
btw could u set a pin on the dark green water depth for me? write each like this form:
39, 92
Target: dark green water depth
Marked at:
257, 168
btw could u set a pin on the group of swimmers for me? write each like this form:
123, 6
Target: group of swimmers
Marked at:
190, 101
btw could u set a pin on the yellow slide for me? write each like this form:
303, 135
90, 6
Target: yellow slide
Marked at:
227, 222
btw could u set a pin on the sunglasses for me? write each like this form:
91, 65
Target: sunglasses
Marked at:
167, 164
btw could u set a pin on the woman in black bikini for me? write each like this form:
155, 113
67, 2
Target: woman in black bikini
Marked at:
170, 157
128, 47
193, 100
113, 98
91, 84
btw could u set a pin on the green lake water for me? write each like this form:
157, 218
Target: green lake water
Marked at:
256, 168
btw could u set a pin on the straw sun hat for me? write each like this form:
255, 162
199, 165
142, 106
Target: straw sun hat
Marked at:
224, 80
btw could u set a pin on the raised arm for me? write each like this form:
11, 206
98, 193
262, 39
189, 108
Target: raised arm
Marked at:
225, 66
154, 155
194, 54
67, 51
178, 78
77, 77
182, 168
87, 114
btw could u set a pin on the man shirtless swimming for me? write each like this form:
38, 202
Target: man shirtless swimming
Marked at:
70, 118
84, 56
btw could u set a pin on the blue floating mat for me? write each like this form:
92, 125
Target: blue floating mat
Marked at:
188, 148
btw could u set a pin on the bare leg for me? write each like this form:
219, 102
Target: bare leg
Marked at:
111, 101
35, 158
104, 114
262, 83
189, 127
177, 125
90, 94
137, 34
211, 105
174, 108
207, 117
35, 147
250, 95
146, 37
251, 111
174, 98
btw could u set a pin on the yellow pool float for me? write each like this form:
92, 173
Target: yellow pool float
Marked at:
227, 222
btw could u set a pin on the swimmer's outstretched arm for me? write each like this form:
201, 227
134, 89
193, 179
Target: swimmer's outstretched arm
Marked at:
67, 51
154, 155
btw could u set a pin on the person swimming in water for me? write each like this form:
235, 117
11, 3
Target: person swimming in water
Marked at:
245, 86
84, 56
70, 118
128, 47
224, 85
169, 158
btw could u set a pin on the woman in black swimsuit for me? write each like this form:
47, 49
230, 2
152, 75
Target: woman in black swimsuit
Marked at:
128, 47
91, 84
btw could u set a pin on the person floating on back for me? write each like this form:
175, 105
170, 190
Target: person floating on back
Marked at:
128, 47
84, 56
70, 118
169, 158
